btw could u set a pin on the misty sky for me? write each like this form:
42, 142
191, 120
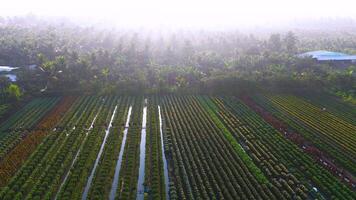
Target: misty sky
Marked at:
184, 12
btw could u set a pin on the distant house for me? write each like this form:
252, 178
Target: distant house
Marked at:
329, 56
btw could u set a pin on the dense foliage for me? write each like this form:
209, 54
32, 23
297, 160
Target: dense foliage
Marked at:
262, 126
77, 58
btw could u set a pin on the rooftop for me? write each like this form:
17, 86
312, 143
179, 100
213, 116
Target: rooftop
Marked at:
328, 56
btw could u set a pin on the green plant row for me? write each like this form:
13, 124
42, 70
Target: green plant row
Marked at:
154, 176
75, 183
211, 109
127, 187
328, 145
23, 182
202, 162
283, 151
101, 185
19, 127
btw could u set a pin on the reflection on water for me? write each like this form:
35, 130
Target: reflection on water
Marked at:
165, 167
141, 175
76, 155
7, 68
87, 187
119, 160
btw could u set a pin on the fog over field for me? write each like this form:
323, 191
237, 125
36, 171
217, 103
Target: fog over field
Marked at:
186, 13
178, 99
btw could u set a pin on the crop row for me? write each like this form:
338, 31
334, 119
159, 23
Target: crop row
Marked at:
23, 182
327, 124
88, 143
333, 105
216, 148
154, 177
204, 163
127, 187
101, 185
19, 154
78, 154
18, 126
287, 184
317, 126
50, 175
3, 109
28, 115
291, 170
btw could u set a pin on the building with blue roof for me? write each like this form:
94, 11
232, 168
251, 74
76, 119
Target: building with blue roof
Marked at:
328, 56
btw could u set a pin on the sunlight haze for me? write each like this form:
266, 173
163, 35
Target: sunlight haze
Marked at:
183, 12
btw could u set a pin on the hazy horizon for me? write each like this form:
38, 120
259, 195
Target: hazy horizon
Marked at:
186, 14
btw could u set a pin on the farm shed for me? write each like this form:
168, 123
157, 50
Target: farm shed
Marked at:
328, 56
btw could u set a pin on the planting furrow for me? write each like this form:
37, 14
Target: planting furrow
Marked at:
76, 155
154, 174
22, 151
33, 166
296, 161
165, 165
234, 160
119, 159
78, 177
209, 169
104, 174
50, 176
141, 175
87, 187
9, 139
317, 138
127, 188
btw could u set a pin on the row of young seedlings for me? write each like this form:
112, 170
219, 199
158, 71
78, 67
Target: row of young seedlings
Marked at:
318, 139
20, 125
285, 184
80, 171
148, 173
30, 111
128, 179
50, 179
333, 105
115, 181
54, 148
155, 179
268, 147
13, 160
4, 108
104, 175
329, 126
79, 158
205, 164
120, 173
98, 157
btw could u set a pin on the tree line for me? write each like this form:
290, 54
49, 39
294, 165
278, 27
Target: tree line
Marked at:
72, 58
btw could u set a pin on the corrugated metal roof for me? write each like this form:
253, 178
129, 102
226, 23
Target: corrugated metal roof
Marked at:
328, 55
340, 58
